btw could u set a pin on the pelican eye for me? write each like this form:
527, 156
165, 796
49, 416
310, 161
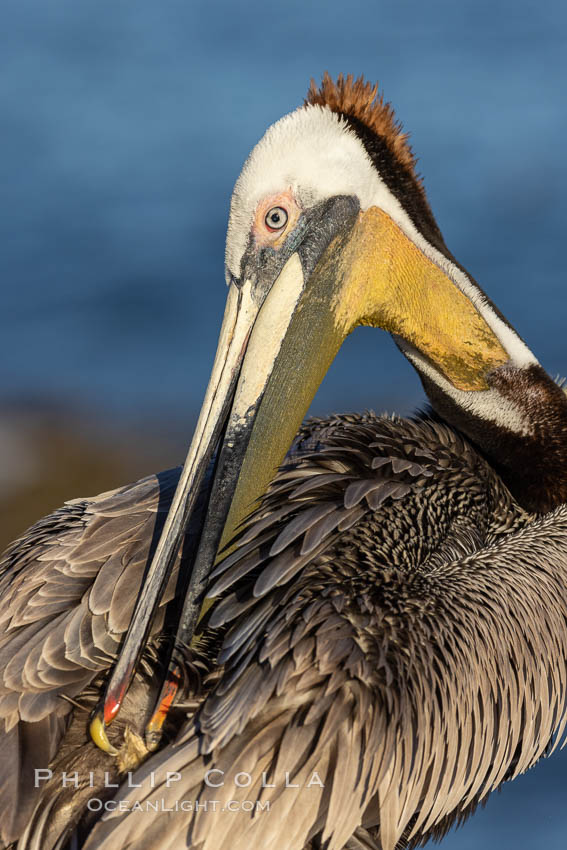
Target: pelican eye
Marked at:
276, 218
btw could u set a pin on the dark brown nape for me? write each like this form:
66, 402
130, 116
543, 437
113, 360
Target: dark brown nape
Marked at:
362, 100
534, 465
362, 106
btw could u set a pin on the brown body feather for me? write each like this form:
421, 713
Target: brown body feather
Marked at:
395, 622
67, 590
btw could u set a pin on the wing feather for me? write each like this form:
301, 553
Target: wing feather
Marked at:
67, 589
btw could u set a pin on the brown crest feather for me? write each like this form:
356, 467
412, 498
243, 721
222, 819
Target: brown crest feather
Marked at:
362, 100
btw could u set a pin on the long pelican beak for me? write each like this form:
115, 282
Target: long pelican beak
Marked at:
280, 333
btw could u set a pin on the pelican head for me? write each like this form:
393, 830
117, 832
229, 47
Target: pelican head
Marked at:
329, 229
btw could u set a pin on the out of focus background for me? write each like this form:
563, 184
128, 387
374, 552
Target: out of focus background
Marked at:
123, 126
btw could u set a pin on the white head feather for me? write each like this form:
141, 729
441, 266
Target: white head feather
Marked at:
314, 152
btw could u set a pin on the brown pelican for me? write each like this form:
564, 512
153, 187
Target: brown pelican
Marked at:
388, 642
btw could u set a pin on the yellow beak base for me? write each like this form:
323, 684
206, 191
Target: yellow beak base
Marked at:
386, 281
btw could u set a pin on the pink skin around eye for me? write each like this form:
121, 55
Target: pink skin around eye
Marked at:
265, 235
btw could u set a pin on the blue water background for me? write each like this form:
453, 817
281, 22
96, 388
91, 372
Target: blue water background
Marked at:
123, 126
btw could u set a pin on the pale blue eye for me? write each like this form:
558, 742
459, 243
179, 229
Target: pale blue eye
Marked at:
276, 218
